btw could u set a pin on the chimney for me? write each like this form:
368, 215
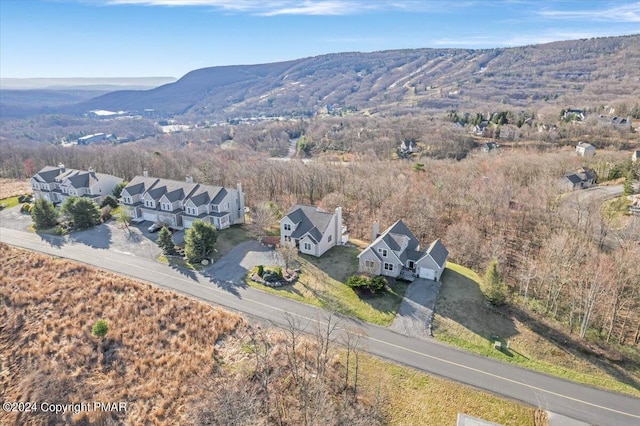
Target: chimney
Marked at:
338, 233
374, 230
61, 167
145, 173
240, 203
189, 179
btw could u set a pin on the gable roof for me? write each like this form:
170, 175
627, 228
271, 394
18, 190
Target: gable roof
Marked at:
310, 220
580, 176
48, 174
139, 185
398, 235
438, 252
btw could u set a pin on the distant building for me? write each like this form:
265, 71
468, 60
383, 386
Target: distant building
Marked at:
573, 115
489, 147
585, 149
583, 178
97, 137
635, 156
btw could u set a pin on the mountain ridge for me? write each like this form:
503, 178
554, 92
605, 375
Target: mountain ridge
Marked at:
396, 81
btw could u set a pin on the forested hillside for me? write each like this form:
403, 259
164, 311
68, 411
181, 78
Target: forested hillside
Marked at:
398, 81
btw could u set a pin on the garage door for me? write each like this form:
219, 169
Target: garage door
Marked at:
149, 216
427, 273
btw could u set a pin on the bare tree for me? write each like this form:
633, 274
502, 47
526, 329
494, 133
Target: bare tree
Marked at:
263, 217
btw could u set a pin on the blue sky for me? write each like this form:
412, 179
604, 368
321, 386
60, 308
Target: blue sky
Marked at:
142, 38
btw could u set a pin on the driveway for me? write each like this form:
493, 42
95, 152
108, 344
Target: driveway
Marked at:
415, 314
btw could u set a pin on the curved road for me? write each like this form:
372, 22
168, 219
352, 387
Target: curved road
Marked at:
219, 285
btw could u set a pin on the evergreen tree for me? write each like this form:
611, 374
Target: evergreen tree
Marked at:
84, 212
494, 288
627, 188
165, 241
199, 241
44, 214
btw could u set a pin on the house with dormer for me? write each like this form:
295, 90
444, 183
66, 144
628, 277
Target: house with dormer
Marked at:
312, 229
56, 184
178, 204
396, 253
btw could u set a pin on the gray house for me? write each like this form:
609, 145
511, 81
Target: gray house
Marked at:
635, 156
580, 179
312, 230
179, 204
396, 253
56, 184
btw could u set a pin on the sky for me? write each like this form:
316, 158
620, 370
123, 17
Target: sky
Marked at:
168, 38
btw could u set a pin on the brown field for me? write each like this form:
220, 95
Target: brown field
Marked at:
179, 361
13, 187
157, 341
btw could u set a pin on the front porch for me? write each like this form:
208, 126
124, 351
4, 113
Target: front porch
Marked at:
407, 274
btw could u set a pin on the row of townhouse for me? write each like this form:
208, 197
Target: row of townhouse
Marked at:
179, 203
55, 184
174, 203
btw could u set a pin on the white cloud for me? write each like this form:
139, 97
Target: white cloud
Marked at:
297, 7
519, 40
625, 13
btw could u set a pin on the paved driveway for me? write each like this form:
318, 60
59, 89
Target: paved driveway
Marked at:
415, 314
231, 269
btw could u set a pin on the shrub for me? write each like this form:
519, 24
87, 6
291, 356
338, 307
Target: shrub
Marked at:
165, 241
357, 281
25, 208
110, 201
100, 328
278, 272
377, 283
260, 270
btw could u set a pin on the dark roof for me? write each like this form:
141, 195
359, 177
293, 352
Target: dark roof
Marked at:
48, 174
219, 197
398, 235
140, 184
577, 177
309, 219
438, 252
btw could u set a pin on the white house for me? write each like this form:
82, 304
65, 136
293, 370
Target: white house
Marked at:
55, 184
396, 253
179, 204
585, 149
635, 156
312, 230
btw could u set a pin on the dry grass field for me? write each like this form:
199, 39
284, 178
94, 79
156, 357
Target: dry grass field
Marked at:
179, 361
158, 342
12, 187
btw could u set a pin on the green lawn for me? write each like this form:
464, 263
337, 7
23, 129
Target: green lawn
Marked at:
10, 202
463, 319
228, 239
321, 283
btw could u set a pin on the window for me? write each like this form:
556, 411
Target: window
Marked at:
166, 206
369, 263
307, 246
411, 265
330, 236
226, 206
383, 252
35, 185
287, 227
388, 266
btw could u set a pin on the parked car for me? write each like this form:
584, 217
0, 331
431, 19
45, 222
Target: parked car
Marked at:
155, 227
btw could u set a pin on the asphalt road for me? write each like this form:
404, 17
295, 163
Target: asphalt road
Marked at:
580, 402
582, 209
